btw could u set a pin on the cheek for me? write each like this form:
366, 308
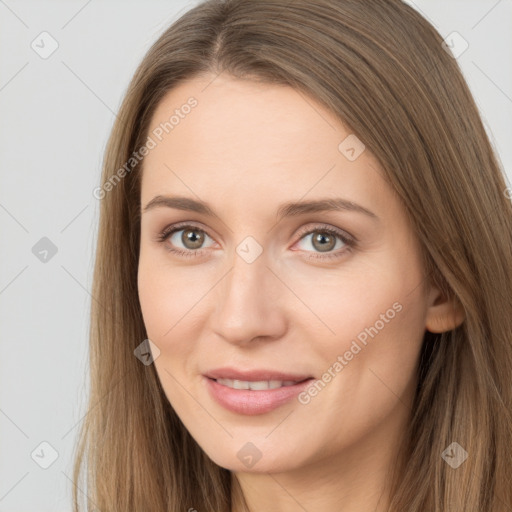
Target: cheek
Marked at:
364, 303
367, 371
370, 363
373, 325
164, 302
173, 301
153, 299
168, 296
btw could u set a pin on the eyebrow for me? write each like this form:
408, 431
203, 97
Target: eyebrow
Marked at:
291, 209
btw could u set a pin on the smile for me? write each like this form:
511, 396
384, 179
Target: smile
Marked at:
253, 397
258, 385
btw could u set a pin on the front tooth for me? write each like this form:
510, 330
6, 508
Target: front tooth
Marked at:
240, 384
226, 382
259, 385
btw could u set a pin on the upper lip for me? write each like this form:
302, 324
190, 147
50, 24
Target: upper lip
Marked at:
254, 375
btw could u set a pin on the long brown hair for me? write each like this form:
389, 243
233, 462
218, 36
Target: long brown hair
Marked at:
381, 69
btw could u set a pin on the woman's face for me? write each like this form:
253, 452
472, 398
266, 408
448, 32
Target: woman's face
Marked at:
269, 294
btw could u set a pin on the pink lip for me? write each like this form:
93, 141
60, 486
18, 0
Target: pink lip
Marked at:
249, 402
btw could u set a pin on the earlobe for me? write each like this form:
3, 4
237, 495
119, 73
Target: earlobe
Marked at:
444, 314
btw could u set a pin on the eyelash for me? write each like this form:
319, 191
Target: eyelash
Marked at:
349, 241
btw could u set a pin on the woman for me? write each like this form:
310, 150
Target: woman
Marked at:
303, 273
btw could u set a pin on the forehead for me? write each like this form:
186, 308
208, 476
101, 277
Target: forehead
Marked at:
243, 115
224, 137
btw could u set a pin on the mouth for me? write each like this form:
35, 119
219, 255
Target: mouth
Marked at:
251, 396
255, 375
258, 385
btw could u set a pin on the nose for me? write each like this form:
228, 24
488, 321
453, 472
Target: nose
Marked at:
250, 303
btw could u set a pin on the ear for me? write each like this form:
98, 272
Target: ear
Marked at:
444, 313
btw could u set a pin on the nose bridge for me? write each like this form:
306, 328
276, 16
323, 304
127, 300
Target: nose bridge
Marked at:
248, 300
246, 287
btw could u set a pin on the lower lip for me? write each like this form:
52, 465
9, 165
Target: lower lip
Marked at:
246, 401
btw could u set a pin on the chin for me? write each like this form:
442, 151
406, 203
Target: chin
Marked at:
249, 459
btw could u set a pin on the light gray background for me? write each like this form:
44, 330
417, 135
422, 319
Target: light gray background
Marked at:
56, 114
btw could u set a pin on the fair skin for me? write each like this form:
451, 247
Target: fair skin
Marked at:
245, 149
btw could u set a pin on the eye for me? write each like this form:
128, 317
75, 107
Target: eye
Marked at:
324, 239
190, 236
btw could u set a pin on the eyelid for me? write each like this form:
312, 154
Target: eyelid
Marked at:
328, 227
171, 228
